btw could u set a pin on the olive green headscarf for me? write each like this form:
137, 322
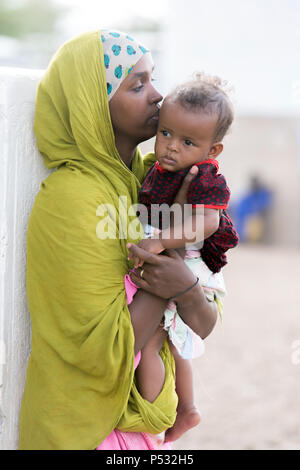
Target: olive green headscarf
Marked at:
80, 381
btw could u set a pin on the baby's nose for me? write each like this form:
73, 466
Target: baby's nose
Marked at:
173, 145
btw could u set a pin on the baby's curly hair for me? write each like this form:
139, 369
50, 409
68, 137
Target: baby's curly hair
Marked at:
209, 94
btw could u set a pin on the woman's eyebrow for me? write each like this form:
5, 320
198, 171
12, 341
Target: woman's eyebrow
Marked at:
140, 74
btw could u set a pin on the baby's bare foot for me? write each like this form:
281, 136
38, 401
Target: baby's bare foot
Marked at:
186, 419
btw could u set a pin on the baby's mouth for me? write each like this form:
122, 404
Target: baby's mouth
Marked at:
168, 160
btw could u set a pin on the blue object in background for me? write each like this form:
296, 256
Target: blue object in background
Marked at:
256, 202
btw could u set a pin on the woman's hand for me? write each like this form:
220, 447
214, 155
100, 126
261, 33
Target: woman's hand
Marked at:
181, 196
163, 275
167, 275
152, 245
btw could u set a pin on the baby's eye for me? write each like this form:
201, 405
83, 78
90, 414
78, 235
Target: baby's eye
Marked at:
165, 133
188, 142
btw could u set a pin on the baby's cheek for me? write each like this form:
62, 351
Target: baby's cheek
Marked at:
158, 148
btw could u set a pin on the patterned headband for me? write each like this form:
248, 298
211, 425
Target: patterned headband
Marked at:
121, 54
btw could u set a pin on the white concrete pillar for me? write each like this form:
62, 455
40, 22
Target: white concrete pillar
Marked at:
21, 172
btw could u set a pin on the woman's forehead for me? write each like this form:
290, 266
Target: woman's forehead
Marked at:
141, 71
144, 66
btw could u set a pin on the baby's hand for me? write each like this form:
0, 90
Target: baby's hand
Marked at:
148, 244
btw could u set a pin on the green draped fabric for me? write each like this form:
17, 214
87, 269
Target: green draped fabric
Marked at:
80, 382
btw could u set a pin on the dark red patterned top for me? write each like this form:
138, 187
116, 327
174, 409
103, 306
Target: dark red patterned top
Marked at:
208, 189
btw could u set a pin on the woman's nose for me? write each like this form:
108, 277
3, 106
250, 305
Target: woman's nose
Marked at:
156, 97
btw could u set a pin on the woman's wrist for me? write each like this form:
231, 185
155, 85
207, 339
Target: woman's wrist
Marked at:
188, 299
185, 291
197, 312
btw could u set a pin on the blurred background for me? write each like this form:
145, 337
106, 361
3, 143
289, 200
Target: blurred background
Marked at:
248, 383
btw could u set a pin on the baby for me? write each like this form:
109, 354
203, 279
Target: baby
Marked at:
193, 121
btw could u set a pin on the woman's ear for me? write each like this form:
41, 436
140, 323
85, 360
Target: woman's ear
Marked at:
215, 150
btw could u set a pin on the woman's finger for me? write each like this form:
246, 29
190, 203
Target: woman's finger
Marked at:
139, 281
181, 196
146, 256
172, 253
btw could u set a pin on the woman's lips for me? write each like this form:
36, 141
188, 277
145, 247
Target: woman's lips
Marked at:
155, 116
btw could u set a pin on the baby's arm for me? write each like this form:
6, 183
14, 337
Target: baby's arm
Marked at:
199, 226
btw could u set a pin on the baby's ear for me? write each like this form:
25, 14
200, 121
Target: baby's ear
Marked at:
216, 149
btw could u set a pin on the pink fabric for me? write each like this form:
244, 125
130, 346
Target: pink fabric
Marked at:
137, 359
118, 440
130, 288
192, 254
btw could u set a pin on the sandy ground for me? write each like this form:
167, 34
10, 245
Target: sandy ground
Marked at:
247, 385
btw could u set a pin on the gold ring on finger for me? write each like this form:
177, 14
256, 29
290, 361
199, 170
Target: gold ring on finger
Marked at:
142, 272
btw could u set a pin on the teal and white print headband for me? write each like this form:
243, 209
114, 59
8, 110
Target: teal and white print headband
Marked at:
121, 53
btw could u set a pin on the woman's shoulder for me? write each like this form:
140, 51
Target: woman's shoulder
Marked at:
72, 181
148, 160
70, 189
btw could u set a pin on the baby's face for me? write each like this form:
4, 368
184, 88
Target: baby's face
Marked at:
184, 137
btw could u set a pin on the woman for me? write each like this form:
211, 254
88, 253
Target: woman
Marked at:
80, 388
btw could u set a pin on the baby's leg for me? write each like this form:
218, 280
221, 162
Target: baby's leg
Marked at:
187, 414
150, 372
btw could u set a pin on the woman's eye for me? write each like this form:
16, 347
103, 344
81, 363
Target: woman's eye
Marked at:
188, 142
138, 88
